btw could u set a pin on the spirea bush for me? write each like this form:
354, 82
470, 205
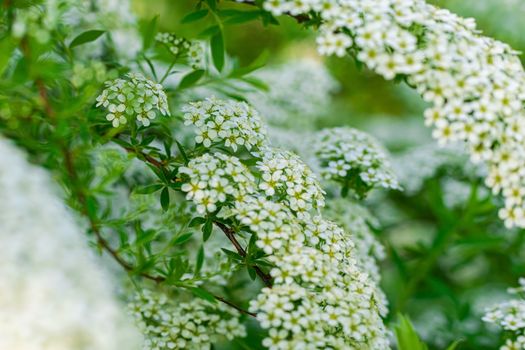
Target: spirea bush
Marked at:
219, 235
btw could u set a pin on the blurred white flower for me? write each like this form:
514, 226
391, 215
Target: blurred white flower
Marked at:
54, 293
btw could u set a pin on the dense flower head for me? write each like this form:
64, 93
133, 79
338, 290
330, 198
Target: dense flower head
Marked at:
353, 158
510, 315
232, 122
272, 222
474, 83
319, 288
285, 176
214, 179
320, 297
193, 50
357, 221
192, 325
55, 292
133, 96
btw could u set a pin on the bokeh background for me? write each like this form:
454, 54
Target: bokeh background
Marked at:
448, 255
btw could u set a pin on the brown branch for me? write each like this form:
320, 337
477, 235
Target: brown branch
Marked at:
73, 176
230, 233
146, 157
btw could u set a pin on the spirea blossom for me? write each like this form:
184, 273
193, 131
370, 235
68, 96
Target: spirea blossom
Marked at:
284, 175
193, 325
136, 97
214, 178
193, 50
320, 298
357, 221
234, 123
353, 159
510, 315
55, 295
474, 83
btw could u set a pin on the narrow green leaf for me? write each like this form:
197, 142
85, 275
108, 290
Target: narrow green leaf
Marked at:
232, 254
183, 238
217, 50
454, 345
200, 260
197, 221
259, 62
244, 16
86, 37
165, 198
407, 338
148, 189
145, 237
203, 294
148, 33
251, 272
207, 229
208, 32
182, 151
191, 78
195, 16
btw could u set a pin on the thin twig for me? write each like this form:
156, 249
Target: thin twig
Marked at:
230, 233
71, 171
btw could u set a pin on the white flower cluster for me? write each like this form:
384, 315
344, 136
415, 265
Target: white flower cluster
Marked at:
193, 50
234, 123
215, 178
474, 83
354, 159
55, 296
284, 175
320, 296
133, 97
194, 325
292, 100
510, 316
357, 220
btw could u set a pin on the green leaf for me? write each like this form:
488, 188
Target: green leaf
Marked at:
232, 254
182, 151
197, 221
191, 78
183, 238
251, 272
407, 338
242, 17
200, 260
454, 345
203, 294
145, 237
86, 37
165, 199
217, 50
195, 16
148, 189
148, 33
207, 229
259, 62
208, 32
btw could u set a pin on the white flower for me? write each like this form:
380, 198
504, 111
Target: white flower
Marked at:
133, 97
234, 123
